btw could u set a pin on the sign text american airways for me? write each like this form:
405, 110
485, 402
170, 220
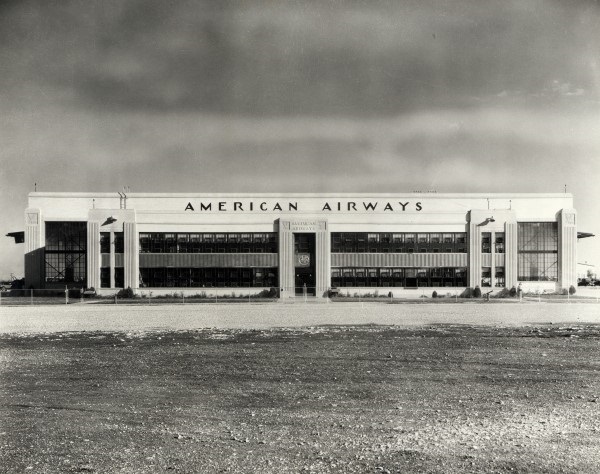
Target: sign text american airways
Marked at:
349, 206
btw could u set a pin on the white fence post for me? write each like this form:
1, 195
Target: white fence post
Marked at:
66, 295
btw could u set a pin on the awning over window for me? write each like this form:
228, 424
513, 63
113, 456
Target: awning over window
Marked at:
19, 236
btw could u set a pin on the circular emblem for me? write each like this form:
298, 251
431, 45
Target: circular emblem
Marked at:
304, 259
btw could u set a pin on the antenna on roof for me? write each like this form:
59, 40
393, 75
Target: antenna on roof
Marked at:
35, 187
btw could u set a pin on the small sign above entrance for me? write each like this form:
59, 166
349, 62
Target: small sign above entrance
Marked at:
306, 226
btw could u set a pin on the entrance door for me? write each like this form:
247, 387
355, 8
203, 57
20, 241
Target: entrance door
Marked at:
304, 264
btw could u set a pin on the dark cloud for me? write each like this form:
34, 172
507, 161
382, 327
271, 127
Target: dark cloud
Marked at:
260, 57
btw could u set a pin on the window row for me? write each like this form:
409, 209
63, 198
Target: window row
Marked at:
253, 242
486, 242
399, 277
105, 277
499, 278
208, 277
105, 242
400, 242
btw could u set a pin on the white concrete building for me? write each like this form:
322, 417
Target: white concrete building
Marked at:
359, 243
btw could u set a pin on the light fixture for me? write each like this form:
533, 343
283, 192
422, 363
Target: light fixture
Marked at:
491, 219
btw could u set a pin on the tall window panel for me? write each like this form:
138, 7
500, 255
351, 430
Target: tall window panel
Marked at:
65, 253
537, 250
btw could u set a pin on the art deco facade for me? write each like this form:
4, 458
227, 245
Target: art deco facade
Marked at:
220, 243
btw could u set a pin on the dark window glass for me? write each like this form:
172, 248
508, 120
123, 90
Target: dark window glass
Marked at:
499, 276
486, 242
104, 242
145, 243
65, 253
105, 277
119, 242
119, 277
208, 243
434, 242
486, 276
499, 242
207, 277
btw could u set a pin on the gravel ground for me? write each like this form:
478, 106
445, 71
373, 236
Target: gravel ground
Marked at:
368, 399
91, 317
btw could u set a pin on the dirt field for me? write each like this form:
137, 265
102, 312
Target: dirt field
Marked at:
438, 399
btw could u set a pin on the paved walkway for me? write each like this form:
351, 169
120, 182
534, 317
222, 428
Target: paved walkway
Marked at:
36, 319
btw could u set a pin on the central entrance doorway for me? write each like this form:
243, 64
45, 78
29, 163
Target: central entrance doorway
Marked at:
304, 264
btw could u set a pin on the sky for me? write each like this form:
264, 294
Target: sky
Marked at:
299, 96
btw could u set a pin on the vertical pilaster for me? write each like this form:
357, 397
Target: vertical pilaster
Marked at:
474, 255
132, 255
286, 260
112, 258
510, 259
323, 257
493, 259
34, 249
93, 254
567, 248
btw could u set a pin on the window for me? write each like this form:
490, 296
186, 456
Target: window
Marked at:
105, 277
205, 277
537, 251
145, 240
119, 277
499, 276
204, 243
486, 242
499, 242
170, 243
119, 242
183, 241
486, 277
104, 242
65, 253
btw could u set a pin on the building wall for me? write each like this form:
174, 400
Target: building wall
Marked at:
288, 214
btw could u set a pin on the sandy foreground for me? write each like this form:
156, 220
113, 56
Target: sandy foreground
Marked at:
88, 317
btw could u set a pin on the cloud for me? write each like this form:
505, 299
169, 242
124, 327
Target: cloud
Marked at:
265, 58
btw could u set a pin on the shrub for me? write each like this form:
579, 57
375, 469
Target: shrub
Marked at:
467, 293
126, 293
572, 290
504, 293
513, 292
477, 292
434, 294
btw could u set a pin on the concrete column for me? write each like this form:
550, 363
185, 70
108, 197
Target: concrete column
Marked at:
474, 255
567, 248
493, 260
34, 249
93, 254
510, 258
111, 239
131, 256
323, 257
286, 260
